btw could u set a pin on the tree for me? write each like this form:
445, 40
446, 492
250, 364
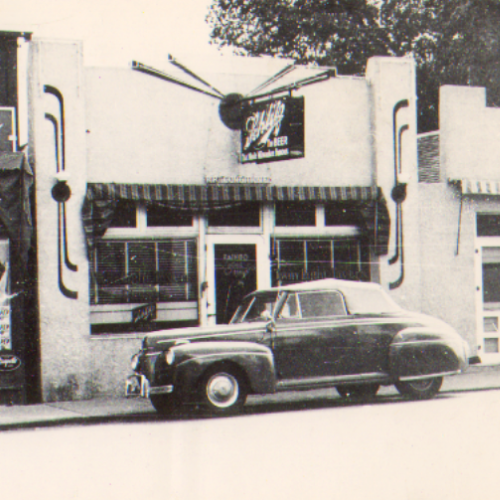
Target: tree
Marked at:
343, 33
453, 41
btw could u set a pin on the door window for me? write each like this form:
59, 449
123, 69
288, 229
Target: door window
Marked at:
235, 277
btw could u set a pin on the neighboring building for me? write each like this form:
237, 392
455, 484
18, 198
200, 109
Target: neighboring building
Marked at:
460, 218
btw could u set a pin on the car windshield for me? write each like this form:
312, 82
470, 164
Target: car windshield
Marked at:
370, 301
257, 307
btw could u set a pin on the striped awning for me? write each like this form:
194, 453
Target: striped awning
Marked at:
213, 195
484, 187
101, 200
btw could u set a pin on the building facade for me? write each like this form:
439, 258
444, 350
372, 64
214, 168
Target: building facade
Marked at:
460, 188
153, 213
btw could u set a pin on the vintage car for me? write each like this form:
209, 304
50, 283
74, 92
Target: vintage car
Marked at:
327, 333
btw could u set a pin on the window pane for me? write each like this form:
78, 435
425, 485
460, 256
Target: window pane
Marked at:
125, 215
295, 214
491, 283
164, 217
342, 214
110, 272
488, 224
319, 256
319, 304
347, 259
290, 308
244, 215
142, 272
177, 270
289, 265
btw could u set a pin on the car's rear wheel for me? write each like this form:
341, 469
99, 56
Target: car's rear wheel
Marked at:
361, 391
164, 403
420, 389
223, 390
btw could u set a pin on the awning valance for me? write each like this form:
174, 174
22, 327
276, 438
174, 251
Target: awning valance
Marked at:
213, 195
101, 199
476, 186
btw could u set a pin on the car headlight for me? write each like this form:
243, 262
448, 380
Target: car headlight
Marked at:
134, 362
170, 356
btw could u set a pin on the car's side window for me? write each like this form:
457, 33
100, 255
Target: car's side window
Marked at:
321, 304
290, 308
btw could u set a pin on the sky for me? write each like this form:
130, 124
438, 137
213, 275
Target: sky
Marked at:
115, 32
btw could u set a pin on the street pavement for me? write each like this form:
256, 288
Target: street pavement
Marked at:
102, 409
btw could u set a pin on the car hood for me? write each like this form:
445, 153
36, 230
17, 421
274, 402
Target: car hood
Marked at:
165, 338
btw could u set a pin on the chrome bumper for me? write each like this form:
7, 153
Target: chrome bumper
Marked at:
138, 385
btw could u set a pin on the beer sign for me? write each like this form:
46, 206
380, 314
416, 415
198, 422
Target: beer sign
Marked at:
273, 130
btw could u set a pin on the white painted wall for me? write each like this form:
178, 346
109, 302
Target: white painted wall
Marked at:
470, 134
146, 130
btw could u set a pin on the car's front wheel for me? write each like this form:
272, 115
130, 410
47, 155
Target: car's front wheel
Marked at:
361, 391
420, 389
223, 390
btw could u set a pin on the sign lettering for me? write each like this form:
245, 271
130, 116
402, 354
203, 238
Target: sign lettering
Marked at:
273, 130
9, 362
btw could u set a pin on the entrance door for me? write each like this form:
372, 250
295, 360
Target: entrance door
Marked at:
236, 266
489, 299
235, 277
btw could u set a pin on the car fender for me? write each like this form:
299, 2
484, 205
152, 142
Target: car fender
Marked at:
256, 361
421, 351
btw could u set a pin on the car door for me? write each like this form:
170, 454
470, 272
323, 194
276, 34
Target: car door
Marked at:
313, 336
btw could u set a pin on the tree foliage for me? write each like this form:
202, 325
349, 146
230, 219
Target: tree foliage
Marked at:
452, 41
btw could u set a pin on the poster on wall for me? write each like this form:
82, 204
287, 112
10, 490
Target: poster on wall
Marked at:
273, 130
5, 309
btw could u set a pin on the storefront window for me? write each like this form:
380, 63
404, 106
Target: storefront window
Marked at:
297, 260
136, 271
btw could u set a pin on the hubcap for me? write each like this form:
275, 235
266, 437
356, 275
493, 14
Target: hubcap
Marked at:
422, 385
222, 390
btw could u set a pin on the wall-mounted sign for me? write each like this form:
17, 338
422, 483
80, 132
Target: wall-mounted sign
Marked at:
144, 314
9, 362
238, 179
8, 137
273, 130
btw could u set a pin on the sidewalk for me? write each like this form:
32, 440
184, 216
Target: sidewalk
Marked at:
101, 409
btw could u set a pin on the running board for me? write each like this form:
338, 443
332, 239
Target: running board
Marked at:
318, 382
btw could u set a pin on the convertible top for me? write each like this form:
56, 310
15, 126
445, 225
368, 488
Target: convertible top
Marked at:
326, 284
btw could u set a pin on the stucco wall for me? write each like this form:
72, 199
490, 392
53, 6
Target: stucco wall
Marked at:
392, 80
73, 364
142, 129
447, 257
470, 134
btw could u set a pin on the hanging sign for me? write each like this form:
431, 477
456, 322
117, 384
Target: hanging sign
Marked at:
273, 130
